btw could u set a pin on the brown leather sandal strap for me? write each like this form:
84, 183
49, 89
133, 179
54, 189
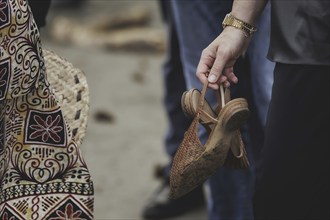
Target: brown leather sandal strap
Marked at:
227, 95
217, 93
208, 116
222, 94
202, 97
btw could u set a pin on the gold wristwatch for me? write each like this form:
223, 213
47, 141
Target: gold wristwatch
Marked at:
247, 29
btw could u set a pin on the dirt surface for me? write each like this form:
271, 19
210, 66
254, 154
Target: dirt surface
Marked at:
127, 122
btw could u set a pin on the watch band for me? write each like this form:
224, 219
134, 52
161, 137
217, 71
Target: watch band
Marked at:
247, 28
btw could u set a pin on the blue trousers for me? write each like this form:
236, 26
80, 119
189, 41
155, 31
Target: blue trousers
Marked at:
193, 26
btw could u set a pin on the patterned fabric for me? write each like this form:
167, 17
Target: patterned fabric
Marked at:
42, 172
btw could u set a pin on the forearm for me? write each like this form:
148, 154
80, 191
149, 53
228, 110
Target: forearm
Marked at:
220, 56
248, 10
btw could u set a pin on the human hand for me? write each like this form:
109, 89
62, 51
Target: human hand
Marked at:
220, 56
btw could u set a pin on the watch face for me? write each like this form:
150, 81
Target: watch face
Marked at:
228, 20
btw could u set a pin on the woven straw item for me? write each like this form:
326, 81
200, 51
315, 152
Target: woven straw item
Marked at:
71, 89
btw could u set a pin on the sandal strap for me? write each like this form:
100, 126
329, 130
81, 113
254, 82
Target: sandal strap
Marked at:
202, 97
210, 120
223, 96
220, 94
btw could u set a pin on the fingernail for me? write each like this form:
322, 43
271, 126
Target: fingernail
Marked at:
212, 78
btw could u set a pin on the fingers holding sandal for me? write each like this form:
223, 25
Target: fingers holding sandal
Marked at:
215, 76
219, 66
210, 67
228, 76
220, 56
205, 63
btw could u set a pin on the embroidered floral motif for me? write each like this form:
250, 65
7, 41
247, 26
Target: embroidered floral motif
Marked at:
5, 217
68, 214
46, 128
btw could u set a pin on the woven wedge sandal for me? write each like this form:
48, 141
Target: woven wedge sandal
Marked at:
193, 163
237, 156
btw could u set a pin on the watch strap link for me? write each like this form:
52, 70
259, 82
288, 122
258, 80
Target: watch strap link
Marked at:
247, 28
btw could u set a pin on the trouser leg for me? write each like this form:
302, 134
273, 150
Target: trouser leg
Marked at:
293, 177
198, 24
174, 85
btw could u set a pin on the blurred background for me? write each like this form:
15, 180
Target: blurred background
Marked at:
120, 46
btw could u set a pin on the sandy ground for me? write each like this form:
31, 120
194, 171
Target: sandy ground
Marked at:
121, 152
